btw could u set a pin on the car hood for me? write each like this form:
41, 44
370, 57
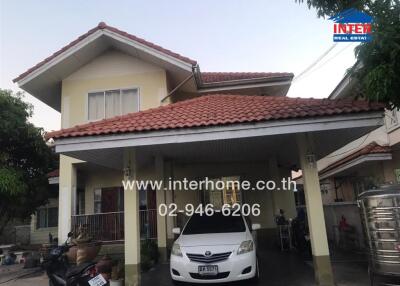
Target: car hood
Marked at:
213, 239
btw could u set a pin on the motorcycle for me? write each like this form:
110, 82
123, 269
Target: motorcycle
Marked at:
61, 273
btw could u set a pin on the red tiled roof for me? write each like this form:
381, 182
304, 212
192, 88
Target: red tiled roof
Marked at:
104, 26
371, 148
214, 77
212, 110
54, 173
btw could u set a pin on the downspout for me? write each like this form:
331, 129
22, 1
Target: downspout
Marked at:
177, 87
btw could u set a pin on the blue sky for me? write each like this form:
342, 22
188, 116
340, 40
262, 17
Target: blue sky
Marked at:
223, 35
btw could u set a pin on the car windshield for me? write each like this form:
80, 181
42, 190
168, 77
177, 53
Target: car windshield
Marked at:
217, 223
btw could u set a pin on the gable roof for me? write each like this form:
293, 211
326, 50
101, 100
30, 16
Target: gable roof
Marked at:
218, 110
44, 79
104, 26
371, 148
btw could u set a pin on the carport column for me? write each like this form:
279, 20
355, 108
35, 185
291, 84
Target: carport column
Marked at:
281, 199
161, 220
315, 211
131, 221
67, 196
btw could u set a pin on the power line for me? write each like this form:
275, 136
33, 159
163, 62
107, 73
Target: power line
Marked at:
325, 62
352, 149
315, 62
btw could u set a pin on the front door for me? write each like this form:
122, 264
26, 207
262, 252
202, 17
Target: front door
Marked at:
111, 205
109, 200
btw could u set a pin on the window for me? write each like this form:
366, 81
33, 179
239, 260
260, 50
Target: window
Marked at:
231, 194
80, 207
97, 201
108, 200
47, 217
110, 103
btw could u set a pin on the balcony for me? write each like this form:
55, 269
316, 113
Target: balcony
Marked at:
109, 227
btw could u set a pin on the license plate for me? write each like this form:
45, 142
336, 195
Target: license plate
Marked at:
208, 269
97, 281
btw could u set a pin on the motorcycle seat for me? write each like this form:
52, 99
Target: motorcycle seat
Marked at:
78, 269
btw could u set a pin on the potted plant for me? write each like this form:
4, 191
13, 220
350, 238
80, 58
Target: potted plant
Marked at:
117, 275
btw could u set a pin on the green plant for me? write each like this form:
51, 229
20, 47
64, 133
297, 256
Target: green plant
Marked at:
148, 254
25, 160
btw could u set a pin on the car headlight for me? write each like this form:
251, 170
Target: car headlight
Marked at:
245, 246
176, 250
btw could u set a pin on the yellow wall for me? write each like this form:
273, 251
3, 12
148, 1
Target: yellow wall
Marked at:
112, 70
104, 178
101, 178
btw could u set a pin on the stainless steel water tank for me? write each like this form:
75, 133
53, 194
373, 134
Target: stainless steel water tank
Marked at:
380, 211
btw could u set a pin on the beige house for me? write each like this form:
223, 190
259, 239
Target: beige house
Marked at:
133, 110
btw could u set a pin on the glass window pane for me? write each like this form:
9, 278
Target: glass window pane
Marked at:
113, 103
96, 105
53, 217
41, 218
130, 101
97, 195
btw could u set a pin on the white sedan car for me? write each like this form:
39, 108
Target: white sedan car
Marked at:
214, 249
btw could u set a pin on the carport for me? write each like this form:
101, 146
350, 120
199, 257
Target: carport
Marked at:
253, 137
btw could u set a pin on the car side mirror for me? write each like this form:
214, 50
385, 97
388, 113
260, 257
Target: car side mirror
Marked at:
176, 230
255, 226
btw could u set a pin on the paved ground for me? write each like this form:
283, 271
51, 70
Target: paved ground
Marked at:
285, 269
15, 275
277, 269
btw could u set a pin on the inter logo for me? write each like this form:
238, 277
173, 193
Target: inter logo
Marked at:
352, 26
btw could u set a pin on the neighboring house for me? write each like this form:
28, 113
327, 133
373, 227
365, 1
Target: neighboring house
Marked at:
37, 229
366, 163
44, 223
131, 109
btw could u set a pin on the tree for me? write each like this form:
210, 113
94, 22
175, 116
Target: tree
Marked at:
25, 160
378, 71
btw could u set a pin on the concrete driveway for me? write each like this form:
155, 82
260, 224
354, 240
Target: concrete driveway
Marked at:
284, 269
16, 275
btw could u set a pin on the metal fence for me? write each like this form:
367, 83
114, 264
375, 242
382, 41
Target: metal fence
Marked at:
110, 226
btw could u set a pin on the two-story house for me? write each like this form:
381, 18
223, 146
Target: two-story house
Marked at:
132, 110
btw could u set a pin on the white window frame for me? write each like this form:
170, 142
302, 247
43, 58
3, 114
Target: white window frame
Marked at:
104, 100
97, 201
47, 217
